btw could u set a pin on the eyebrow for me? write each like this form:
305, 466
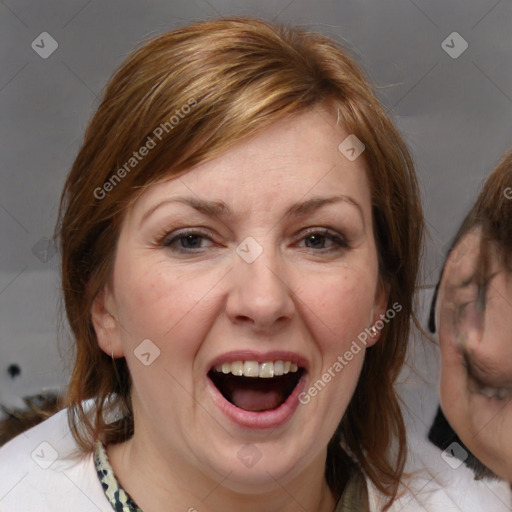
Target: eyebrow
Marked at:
220, 209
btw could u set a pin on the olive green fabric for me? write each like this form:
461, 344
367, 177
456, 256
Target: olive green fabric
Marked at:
355, 495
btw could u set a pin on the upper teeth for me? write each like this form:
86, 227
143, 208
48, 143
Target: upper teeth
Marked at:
254, 369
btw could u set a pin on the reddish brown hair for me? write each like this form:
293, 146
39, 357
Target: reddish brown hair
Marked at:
492, 214
241, 75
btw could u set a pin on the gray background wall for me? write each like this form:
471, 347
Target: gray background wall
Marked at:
455, 113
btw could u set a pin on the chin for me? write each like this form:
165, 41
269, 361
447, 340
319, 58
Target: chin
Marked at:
255, 468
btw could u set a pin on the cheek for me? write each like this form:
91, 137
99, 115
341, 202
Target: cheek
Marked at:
166, 308
154, 298
446, 396
340, 308
453, 392
159, 304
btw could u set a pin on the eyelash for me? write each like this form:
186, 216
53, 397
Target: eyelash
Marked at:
338, 240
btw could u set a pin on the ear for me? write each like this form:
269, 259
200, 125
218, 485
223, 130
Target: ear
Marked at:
378, 317
105, 324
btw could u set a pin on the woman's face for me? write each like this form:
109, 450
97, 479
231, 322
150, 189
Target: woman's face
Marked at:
257, 263
476, 349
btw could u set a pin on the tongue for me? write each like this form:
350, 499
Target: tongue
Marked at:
256, 400
255, 393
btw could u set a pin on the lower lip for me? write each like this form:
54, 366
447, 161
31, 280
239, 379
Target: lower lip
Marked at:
258, 420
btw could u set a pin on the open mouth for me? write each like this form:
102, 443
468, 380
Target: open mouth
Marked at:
254, 386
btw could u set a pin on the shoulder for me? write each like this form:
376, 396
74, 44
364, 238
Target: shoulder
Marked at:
41, 470
432, 487
437, 481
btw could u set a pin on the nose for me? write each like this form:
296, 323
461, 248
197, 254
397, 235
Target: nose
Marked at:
260, 295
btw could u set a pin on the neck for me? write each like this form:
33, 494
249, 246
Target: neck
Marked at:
160, 482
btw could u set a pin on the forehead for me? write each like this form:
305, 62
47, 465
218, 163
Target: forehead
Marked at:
296, 157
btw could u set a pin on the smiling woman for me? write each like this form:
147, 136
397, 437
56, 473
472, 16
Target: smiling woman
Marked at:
229, 271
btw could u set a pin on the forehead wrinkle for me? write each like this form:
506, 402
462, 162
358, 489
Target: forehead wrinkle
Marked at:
220, 209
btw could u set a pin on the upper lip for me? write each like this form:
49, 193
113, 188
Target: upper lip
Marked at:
259, 357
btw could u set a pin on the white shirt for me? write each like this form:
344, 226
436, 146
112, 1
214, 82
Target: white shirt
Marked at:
41, 470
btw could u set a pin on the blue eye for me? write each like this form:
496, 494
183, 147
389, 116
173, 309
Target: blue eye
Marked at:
318, 240
185, 241
321, 241
190, 241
